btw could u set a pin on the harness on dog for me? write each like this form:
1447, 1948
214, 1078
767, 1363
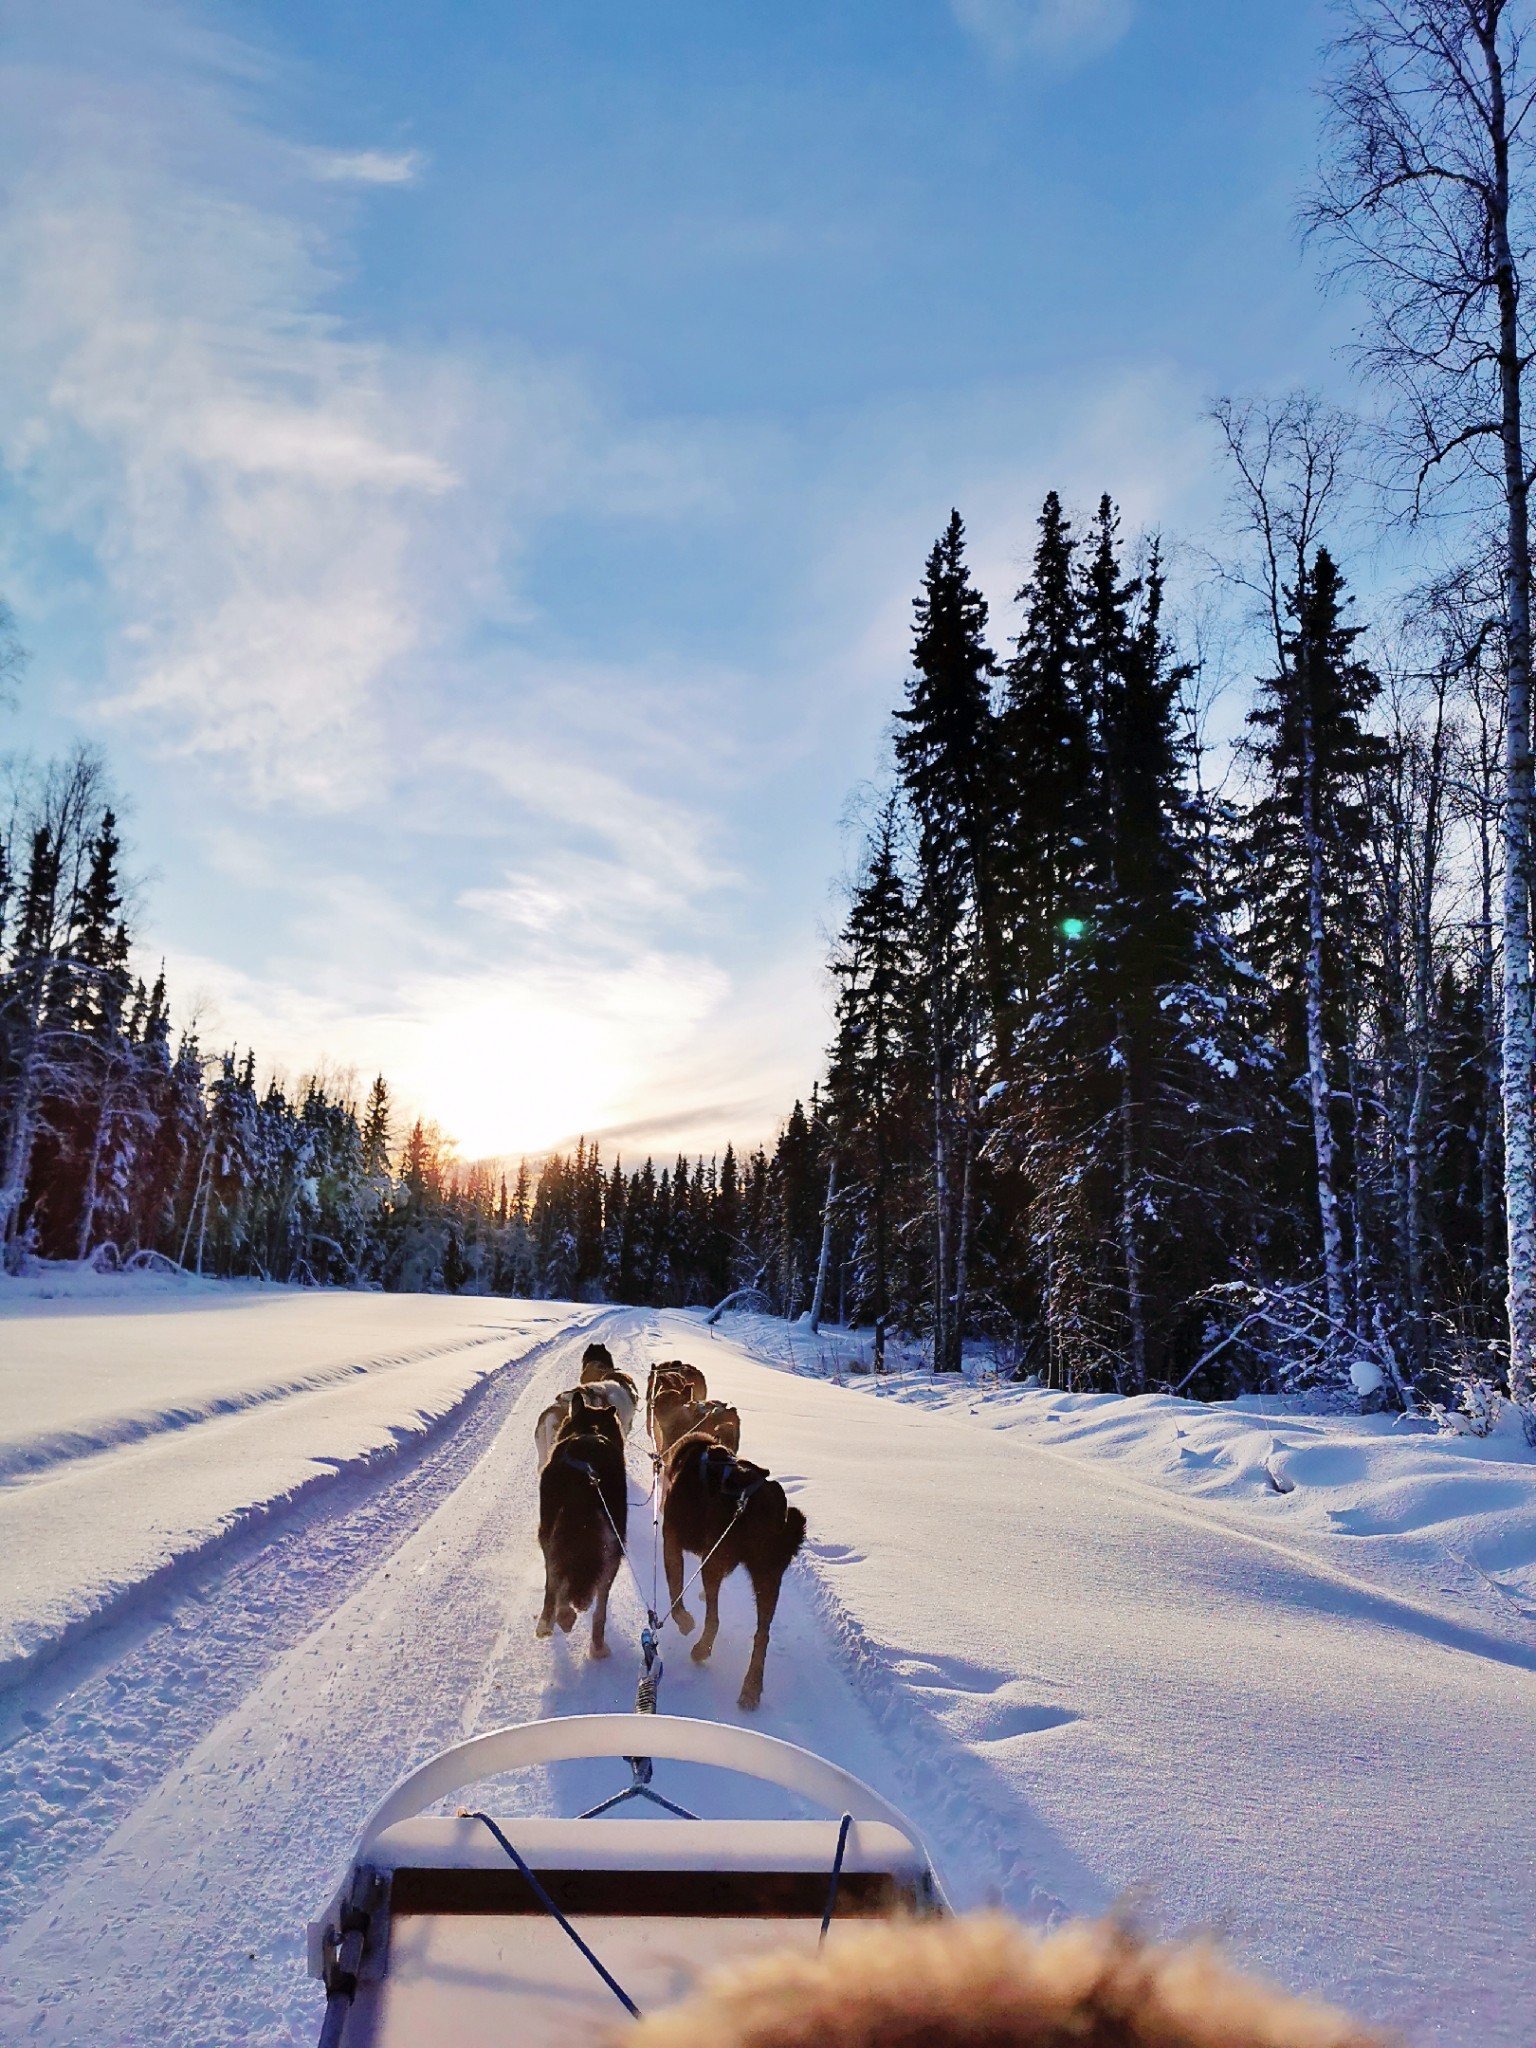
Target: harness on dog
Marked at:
650, 1678
730, 1477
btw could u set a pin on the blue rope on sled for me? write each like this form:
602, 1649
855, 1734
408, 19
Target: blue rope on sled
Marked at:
559, 1918
837, 1871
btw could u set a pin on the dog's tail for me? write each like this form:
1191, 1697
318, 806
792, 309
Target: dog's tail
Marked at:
794, 1533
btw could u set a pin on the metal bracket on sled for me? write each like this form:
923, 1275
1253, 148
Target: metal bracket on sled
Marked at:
639, 1786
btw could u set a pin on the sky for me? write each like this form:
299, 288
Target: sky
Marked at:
467, 464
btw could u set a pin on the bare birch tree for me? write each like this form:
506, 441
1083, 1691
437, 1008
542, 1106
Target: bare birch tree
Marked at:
1426, 193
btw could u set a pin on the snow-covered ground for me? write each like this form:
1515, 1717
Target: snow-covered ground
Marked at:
133, 1441
1435, 1513
1085, 1663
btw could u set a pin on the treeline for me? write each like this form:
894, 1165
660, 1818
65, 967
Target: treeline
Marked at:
123, 1143
1214, 1093
1156, 1087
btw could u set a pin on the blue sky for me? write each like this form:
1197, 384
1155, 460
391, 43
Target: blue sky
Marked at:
468, 465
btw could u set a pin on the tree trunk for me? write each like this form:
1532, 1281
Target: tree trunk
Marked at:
91, 1195
963, 1246
1130, 1237
1317, 1056
818, 1299
1490, 1151
941, 1206
1519, 1020
1418, 1111
20, 1134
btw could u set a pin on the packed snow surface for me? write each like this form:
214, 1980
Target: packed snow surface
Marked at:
1095, 1648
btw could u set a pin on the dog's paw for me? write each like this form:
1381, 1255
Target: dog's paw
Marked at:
567, 1619
700, 1651
684, 1620
750, 1698
545, 1627
600, 1650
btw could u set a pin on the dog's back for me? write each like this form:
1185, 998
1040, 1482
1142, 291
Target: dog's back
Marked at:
673, 1413
616, 1394
583, 1500
720, 1423
714, 1497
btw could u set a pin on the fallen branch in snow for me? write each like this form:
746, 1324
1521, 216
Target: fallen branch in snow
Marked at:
748, 1297
1296, 1336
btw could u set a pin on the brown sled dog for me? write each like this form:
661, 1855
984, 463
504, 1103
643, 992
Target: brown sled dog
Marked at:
727, 1512
672, 1375
675, 1417
581, 1543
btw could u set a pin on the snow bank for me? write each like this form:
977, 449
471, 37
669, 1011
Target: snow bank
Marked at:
131, 1444
1429, 1512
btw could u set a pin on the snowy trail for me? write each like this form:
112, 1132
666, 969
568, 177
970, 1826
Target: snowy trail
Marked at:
186, 1925
1074, 1689
103, 1722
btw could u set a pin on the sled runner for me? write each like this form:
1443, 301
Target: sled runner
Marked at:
472, 1930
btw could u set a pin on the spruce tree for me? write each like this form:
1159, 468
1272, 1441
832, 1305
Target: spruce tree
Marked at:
375, 1133
1308, 839
868, 1085
1133, 1104
945, 749
1045, 773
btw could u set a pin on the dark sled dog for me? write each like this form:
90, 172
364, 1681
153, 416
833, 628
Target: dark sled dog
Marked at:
583, 1514
728, 1512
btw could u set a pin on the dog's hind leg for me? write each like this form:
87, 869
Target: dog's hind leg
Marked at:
600, 1610
766, 1586
711, 1578
672, 1554
546, 1622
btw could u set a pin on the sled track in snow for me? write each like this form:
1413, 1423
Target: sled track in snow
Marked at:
84, 1736
47, 1451
254, 1520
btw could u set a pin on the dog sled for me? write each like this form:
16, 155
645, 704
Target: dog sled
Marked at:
467, 1929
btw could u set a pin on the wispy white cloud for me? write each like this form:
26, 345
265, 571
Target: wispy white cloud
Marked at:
291, 520
366, 166
249, 489
1064, 30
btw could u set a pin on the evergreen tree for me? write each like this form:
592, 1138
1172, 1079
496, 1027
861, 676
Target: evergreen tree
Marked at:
945, 746
1139, 1090
375, 1133
870, 1082
1308, 838
1045, 818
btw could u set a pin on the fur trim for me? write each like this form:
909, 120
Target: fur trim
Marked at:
984, 1982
